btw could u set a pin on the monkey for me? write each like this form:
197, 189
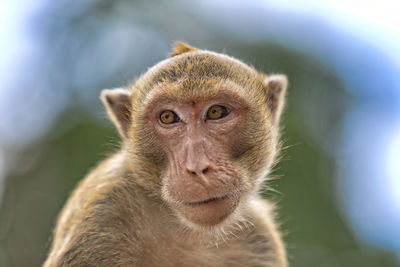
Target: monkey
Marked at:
200, 133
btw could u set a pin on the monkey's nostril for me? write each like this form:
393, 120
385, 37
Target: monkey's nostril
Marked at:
205, 170
192, 173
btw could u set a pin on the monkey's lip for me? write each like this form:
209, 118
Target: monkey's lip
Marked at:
210, 211
213, 199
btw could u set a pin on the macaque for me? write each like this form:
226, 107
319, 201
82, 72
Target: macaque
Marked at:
200, 133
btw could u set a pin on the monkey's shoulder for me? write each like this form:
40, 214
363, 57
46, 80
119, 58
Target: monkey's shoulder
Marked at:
264, 239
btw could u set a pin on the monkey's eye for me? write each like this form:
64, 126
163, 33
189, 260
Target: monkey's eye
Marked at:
168, 117
217, 112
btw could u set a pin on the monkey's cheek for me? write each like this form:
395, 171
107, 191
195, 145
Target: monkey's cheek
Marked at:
208, 214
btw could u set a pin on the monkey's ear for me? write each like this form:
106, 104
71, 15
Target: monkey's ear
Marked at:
118, 105
275, 86
180, 48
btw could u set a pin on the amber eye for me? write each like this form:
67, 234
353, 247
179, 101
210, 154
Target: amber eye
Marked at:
168, 117
217, 112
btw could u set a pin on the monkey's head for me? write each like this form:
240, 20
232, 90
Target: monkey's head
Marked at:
201, 131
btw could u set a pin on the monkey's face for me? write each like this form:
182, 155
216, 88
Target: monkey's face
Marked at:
201, 130
203, 140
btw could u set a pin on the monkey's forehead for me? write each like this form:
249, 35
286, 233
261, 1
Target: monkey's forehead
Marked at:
198, 67
193, 91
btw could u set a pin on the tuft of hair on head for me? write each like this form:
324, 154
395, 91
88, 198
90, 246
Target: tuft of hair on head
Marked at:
181, 48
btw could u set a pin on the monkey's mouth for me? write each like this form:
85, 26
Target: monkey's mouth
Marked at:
213, 199
210, 211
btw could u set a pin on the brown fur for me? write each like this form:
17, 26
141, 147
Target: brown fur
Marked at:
118, 215
181, 48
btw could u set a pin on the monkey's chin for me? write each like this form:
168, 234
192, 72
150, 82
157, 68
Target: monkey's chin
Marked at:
209, 212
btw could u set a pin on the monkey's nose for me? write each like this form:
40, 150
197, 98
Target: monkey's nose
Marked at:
198, 168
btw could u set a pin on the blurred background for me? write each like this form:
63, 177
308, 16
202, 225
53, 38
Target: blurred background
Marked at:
339, 180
